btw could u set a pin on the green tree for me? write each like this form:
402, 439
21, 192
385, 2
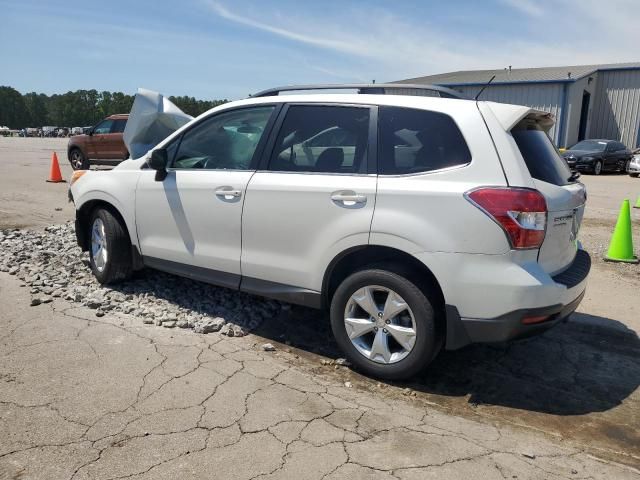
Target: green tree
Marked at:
36, 105
78, 108
13, 112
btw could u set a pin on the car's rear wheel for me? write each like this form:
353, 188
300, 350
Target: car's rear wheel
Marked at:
384, 324
597, 167
78, 160
109, 248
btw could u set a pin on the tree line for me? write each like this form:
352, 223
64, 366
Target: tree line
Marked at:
76, 109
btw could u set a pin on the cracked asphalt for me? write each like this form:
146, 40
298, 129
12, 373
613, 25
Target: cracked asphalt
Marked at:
86, 397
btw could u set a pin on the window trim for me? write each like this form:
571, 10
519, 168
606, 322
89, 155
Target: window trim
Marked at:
257, 154
426, 172
370, 160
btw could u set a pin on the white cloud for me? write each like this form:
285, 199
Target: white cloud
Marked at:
528, 7
385, 45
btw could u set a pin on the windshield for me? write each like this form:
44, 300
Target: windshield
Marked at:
591, 145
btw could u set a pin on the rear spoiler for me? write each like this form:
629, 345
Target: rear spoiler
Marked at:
510, 115
153, 118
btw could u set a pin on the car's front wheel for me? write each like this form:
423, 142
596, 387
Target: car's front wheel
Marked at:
109, 247
597, 167
78, 160
384, 324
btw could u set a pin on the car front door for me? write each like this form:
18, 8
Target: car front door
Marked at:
310, 201
190, 222
117, 147
101, 140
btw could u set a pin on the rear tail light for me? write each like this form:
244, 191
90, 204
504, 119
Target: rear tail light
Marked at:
521, 212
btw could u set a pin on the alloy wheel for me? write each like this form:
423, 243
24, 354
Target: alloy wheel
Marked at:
76, 159
99, 245
380, 324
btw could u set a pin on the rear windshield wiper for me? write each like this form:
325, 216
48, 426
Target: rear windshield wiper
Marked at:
574, 176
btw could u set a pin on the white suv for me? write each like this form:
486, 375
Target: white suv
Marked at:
418, 221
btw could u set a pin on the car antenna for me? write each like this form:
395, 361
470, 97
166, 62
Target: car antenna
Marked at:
485, 86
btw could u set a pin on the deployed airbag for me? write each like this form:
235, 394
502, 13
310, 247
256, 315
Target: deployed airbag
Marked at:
153, 118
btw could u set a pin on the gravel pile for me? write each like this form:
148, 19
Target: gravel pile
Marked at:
52, 265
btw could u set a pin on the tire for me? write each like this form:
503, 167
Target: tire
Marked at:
110, 258
626, 166
78, 160
404, 362
597, 167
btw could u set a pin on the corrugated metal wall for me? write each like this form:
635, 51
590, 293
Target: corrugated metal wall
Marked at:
541, 96
616, 113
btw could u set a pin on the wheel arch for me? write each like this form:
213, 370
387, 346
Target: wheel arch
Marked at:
73, 147
389, 258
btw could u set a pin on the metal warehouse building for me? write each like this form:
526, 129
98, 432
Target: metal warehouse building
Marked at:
588, 101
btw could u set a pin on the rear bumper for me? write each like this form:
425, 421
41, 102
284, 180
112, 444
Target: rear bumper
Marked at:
570, 286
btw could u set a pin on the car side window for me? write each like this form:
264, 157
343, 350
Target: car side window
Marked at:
103, 127
118, 126
322, 139
226, 141
620, 147
414, 141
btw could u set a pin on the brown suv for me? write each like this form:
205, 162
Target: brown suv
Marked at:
103, 144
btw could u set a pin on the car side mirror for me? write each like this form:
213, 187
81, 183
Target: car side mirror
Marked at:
159, 162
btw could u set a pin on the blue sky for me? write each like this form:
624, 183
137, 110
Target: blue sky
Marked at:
228, 49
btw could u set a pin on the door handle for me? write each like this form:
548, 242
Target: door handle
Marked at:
228, 193
348, 198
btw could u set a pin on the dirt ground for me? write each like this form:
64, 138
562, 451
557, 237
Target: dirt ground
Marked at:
87, 397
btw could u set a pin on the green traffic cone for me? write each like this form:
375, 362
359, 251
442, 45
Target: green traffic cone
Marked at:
637, 205
621, 246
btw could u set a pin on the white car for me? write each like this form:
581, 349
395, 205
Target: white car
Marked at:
428, 222
634, 164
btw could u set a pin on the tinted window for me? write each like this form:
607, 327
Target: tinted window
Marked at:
542, 159
224, 141
619, 147
103, 127
413, 141
318, 138
118, 126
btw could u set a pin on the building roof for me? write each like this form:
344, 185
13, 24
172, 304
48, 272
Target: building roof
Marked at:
519, 75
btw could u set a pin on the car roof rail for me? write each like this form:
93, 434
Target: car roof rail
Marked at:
365, 88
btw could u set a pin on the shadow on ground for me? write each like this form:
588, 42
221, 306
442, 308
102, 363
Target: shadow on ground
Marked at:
589, 364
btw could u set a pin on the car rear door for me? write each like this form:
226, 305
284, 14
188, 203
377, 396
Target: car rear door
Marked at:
303, 208
190, 222
565, 196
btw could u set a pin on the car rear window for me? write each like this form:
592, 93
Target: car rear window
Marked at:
415, 141
541, 156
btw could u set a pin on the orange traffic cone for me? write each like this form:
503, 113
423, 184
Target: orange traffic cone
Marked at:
54, 174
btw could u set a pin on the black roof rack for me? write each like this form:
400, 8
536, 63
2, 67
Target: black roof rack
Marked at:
370, 88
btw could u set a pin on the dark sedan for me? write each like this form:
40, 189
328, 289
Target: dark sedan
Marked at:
597, 156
